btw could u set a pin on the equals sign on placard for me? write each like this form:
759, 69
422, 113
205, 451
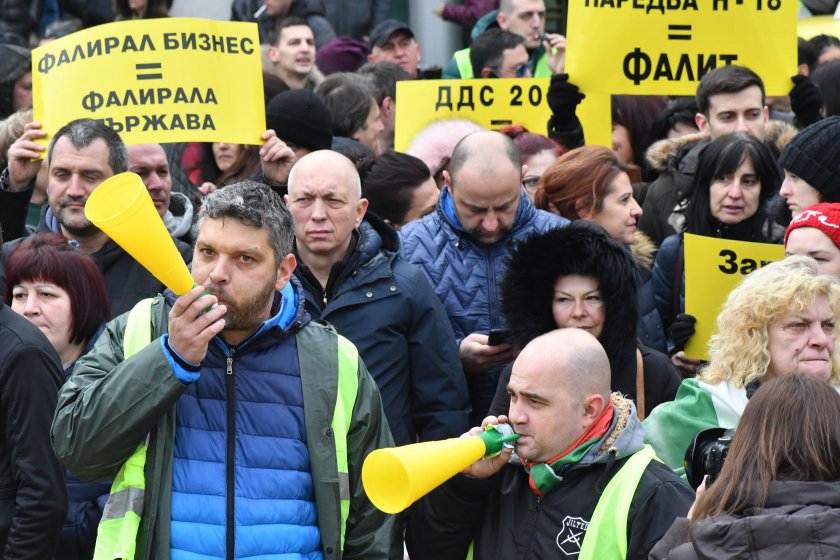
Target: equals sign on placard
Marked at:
684, 36
148, 66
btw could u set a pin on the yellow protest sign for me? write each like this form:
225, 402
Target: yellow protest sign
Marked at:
673, 43
160, 80
818, 25
713, 267
491, 103
664, 47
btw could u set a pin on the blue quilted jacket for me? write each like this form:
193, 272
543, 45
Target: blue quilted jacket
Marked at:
465, 272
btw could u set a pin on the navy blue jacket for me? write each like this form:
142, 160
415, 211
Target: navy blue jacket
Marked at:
387, 308
465, 273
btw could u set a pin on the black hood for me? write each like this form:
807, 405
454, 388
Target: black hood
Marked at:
581, 248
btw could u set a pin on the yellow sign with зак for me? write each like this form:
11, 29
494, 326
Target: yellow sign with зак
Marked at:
713, 267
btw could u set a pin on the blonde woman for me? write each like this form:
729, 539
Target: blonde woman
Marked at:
778, 321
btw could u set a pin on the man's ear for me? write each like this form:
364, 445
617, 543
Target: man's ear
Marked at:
593, 406
702, 124
486, 72
272, 54
361, 208
387, 107
447, 180
284, 271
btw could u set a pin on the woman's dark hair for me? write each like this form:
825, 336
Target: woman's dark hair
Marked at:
47, 257
581, 248
826, 77
154, 9
679, 110
389, 184
790, 430
721, 157
247, 163
638, 113
823, 42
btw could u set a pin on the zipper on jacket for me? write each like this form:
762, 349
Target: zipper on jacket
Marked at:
324, 296
230, 453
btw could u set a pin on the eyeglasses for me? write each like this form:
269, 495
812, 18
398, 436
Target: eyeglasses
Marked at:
521, 71
530, 184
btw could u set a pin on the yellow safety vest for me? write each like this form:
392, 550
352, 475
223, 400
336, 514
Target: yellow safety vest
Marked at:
117, 534
462, 59
606, 536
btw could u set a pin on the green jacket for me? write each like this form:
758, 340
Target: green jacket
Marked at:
109, 405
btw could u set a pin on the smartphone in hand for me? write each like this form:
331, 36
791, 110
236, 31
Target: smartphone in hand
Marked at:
498, 336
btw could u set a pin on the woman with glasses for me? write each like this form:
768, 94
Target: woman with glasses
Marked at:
536, 152
578, 277
590, 183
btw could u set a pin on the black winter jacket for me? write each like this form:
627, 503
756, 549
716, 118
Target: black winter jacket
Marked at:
800, 520
388, 309
507, 520
32, 496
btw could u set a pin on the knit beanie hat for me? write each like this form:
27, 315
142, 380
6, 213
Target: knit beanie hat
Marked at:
300, 117
15, 61
824, 216
812, 155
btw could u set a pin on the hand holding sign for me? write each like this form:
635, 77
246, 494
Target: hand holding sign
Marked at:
25, 157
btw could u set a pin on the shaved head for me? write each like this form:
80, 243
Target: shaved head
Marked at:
582, 367
328, 160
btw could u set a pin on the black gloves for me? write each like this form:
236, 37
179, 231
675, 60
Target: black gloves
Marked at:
563, 98
681, 330
805, 100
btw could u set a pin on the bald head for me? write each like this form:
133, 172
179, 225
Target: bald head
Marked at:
582, 367
486, 149
328, 162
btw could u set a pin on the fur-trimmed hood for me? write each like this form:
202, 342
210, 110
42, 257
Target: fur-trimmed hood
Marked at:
777, 135
581, 248
643, 249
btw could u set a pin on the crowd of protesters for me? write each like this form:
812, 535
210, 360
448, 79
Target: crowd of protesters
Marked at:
351, 297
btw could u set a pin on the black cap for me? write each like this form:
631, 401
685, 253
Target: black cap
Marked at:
301, 117
382, 32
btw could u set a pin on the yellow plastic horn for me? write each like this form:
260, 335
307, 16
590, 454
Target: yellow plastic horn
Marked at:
122, 208
396, 477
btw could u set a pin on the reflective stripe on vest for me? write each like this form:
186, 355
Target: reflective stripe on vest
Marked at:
348, 386
606, 536
117, 533
116, 538
462, 59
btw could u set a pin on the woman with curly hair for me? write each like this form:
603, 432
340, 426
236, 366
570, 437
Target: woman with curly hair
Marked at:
778, 321
777, 495
577, 277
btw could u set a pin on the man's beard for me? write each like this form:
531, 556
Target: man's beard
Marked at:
243, 315
80, 228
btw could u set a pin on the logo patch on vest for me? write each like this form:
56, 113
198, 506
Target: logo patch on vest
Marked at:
570, 537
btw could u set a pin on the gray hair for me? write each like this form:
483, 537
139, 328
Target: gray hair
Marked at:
254, 205
83, 132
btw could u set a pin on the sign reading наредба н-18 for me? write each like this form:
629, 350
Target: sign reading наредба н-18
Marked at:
671, 44
160, 80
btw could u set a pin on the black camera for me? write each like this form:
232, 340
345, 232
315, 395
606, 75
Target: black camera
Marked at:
706, 454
